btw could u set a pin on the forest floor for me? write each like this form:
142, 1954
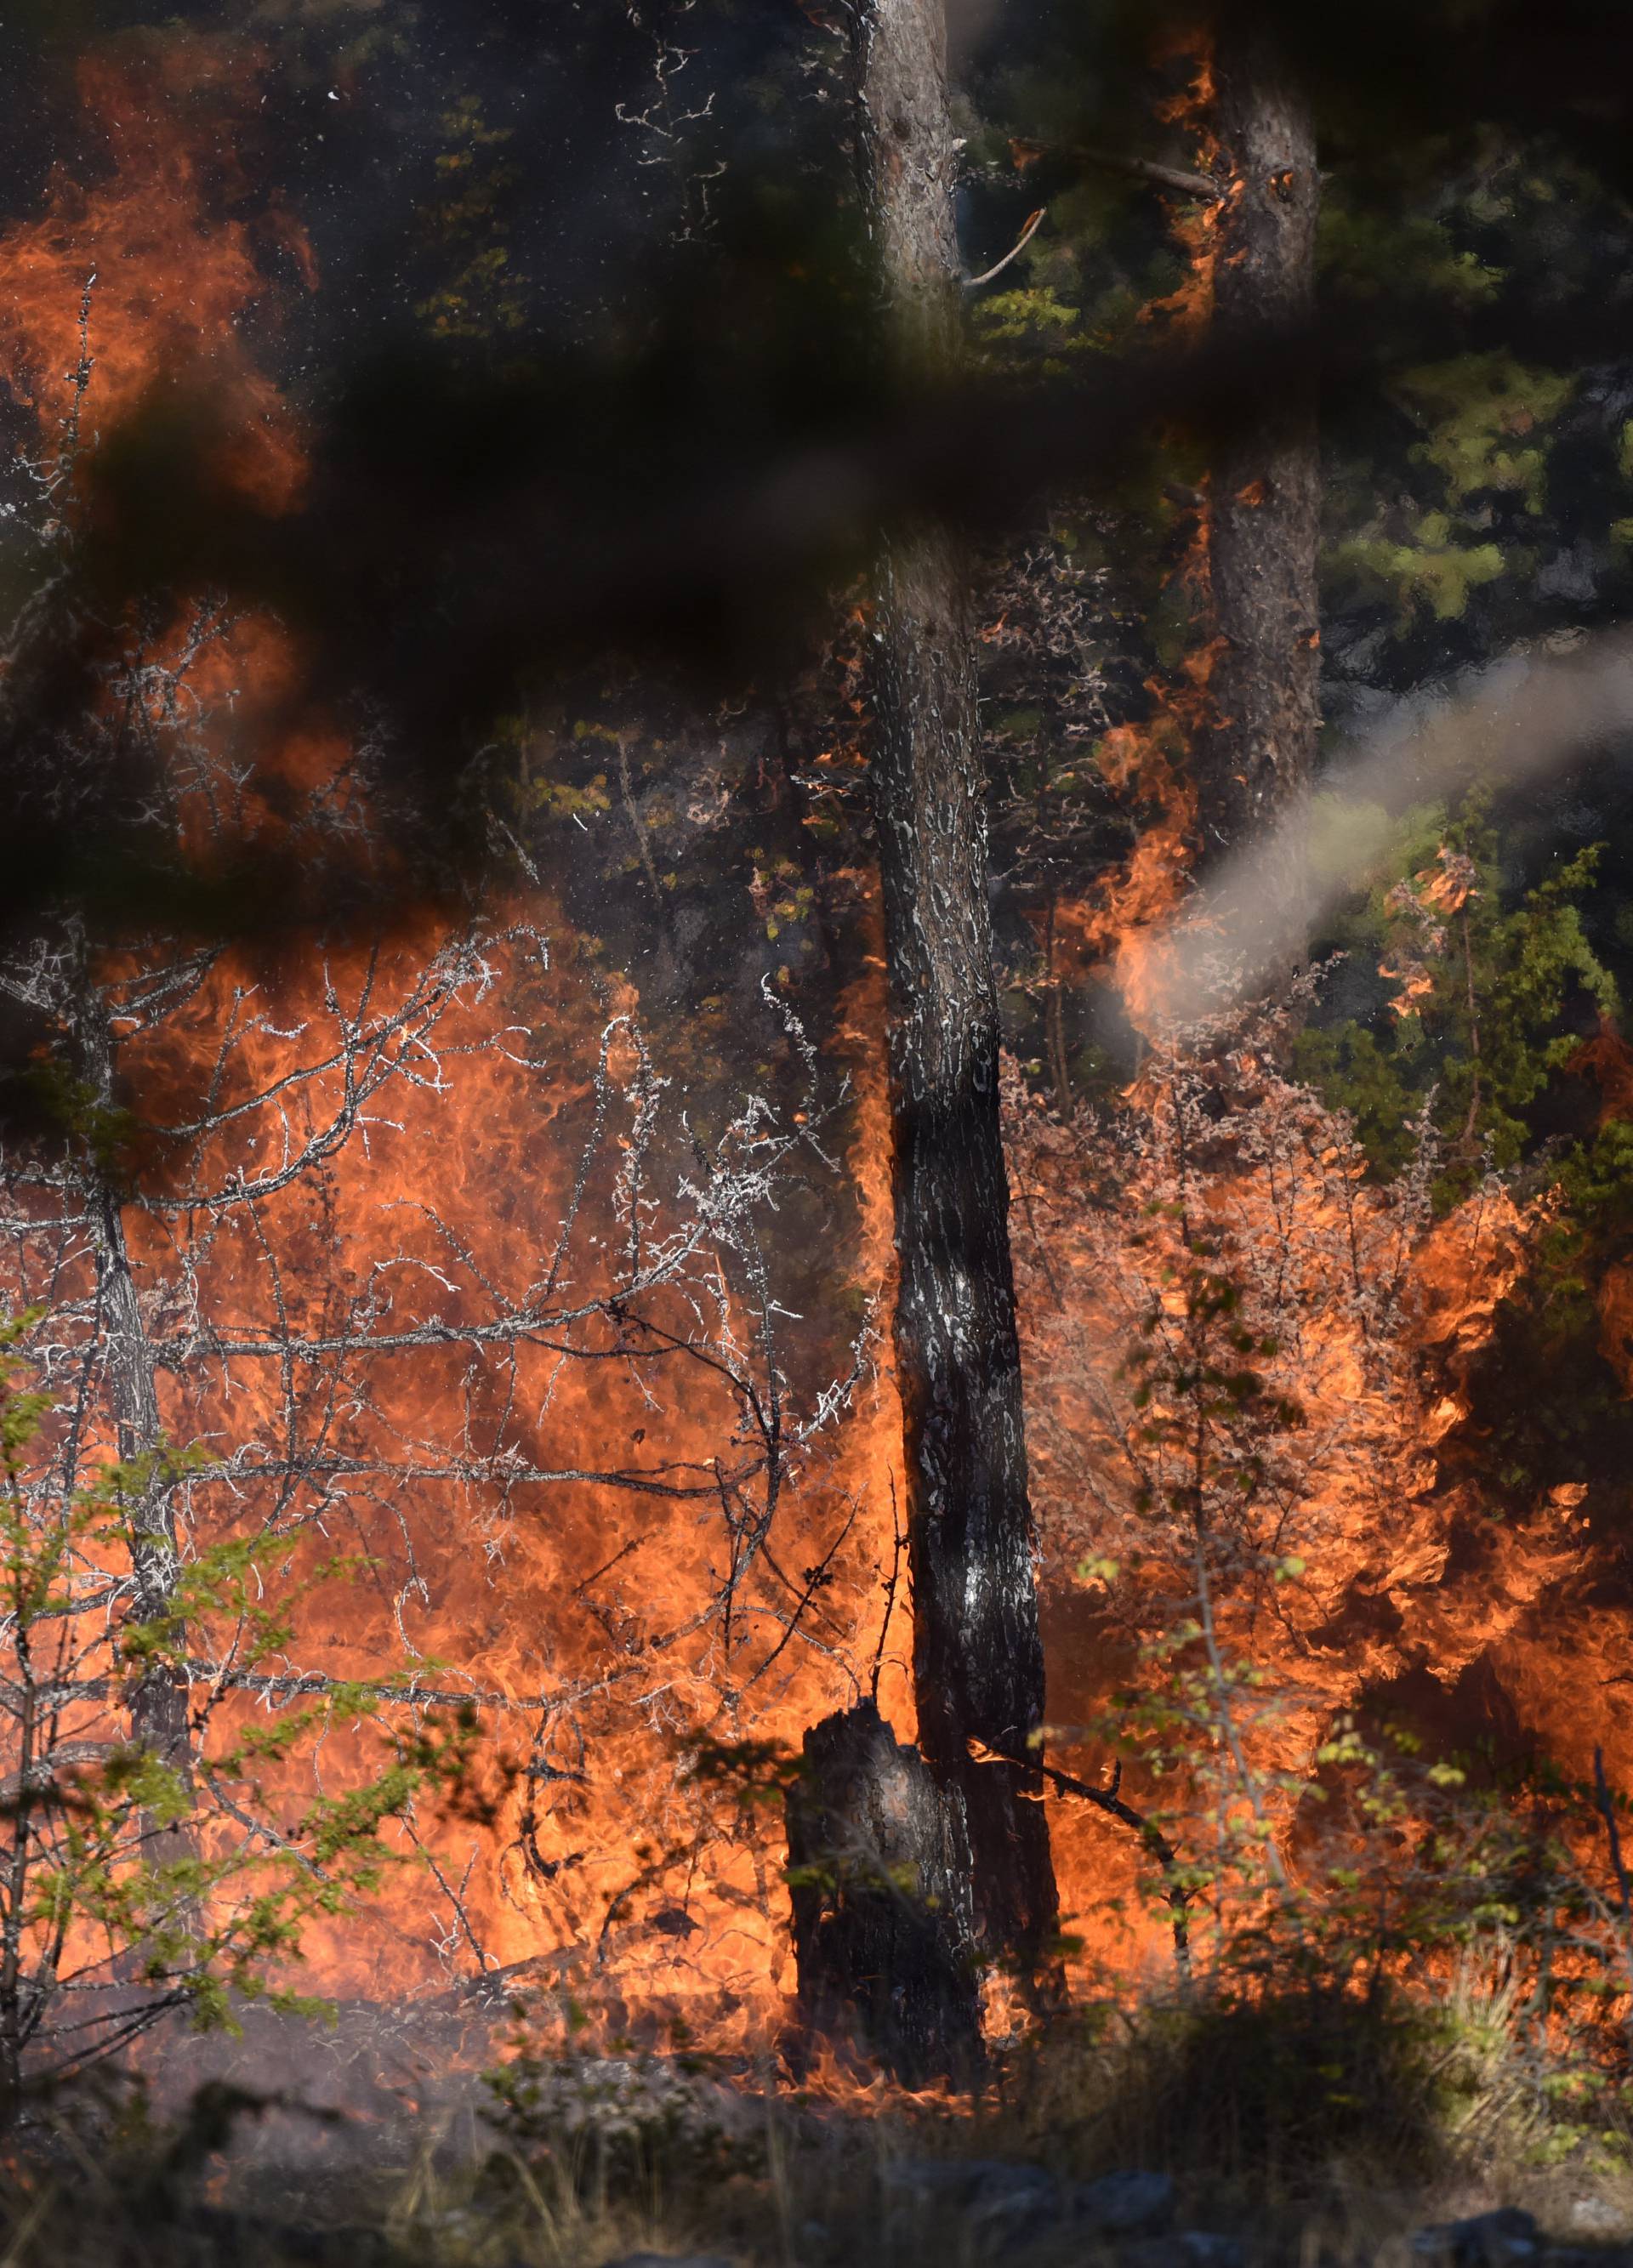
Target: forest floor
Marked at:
839, 2204
605, 2159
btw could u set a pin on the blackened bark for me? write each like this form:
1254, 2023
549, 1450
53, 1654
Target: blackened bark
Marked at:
883, 1927
1258, 752
978, 1658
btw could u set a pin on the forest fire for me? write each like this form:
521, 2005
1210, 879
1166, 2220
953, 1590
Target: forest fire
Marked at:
334, 1330
594, 1435
158, 262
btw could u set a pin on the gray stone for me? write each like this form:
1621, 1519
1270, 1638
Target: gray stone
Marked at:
1003, 2204
961, 2181
1503, 2239
671, 2260
1205, 2248
1008, 2205
1186, 2248
1014, 2203
1124, 2205
1596, 2216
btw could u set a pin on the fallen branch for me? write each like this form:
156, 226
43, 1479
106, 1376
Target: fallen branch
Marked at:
1033, 222
1164, 177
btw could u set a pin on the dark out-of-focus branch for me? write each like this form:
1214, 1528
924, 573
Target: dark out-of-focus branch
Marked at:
469, 535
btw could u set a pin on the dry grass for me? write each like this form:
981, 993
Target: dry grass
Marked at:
1309, 2135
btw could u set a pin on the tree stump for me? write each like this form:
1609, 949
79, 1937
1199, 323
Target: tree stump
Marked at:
883, 1921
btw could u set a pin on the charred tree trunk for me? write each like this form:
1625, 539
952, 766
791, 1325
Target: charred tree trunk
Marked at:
1256, 753
977, 1657
883, 1929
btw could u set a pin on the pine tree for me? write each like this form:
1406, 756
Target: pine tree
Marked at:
977, 1654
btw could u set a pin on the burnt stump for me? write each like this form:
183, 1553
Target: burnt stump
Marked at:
884, 1919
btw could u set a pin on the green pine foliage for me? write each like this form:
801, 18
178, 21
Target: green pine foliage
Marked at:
1487, 990
1483, 422
1492, 990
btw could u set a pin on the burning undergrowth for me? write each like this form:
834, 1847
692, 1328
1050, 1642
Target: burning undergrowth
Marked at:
1358, 1728
398, 1348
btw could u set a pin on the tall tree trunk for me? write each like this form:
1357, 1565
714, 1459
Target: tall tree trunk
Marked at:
159, 1696
1258, 751
977, 1659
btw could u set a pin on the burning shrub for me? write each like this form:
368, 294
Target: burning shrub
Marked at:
1224, 1409
1251, 1370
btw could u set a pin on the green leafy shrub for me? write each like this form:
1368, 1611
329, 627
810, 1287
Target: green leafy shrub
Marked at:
141, 1881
